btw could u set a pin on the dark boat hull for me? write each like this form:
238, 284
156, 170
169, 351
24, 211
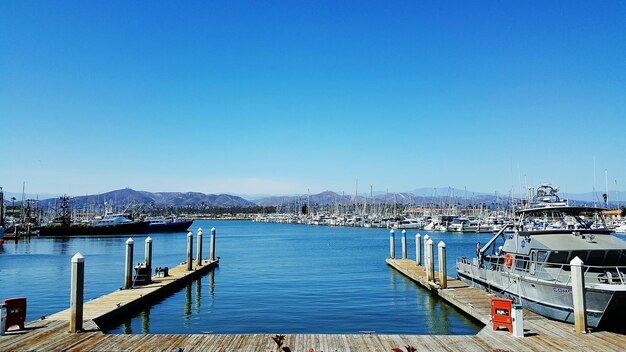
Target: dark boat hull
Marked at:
120, 229
180, 226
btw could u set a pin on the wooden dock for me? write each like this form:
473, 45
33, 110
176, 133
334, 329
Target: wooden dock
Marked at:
542, 334
104, 311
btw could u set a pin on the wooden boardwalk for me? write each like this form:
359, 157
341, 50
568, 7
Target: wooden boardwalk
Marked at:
542, 334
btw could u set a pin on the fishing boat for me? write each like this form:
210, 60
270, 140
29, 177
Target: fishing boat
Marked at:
532, 265
167, 224
108, 224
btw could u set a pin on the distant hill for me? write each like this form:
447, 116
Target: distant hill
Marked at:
324, 198
159, 199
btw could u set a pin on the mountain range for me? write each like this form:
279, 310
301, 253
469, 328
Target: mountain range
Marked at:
158, 199
419, 196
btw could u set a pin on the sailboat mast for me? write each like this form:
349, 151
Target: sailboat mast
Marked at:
606, 188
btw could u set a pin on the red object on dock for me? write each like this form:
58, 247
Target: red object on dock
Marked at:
16, 312
501, 309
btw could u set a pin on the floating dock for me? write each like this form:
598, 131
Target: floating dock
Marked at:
541, 334
107, 310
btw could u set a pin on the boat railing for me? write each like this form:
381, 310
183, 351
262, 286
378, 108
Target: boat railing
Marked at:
552, 272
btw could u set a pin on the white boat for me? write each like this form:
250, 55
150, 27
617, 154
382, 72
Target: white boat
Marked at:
111, 220
466, 225
532, 265
409, 224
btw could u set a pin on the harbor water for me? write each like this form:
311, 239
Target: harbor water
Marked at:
273, 278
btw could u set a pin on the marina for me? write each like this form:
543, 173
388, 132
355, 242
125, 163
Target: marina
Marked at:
260, 291
312, 176
540, 333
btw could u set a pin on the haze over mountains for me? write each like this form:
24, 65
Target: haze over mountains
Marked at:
419, 196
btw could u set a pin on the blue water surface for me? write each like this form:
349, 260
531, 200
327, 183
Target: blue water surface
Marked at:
273, 278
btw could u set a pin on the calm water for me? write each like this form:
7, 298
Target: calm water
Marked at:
274, 278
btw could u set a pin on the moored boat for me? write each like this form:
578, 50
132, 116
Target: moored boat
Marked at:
167, 224
110, 224
532, 265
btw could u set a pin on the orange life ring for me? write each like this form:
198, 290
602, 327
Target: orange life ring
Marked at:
508, 260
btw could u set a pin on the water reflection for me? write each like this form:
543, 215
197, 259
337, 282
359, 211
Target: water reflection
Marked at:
198, 295
61, 244
438, 316
127, 327
145, 320
187, 312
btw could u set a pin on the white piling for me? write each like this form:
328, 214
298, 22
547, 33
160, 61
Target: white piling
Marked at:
578, 295
199, 254
404, 244
418, 249
443, 276
189, 250
426, 237
212, 249
431, 261
148, 253
128, 268
392, 244
77, 285
518, 320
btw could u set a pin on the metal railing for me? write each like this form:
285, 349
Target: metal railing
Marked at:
553, 272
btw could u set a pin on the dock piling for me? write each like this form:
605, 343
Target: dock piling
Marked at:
418, 249
199, 250
128, 269
189, 250
148, 253
404, 244
443, 276
77, 292
212, 249
426, 237
578, 295
430, 268
518, 320
392, 244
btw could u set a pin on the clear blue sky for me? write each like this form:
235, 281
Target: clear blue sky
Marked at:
283, 96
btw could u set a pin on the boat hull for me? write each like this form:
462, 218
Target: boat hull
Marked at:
605, 307
119, 229
180, 226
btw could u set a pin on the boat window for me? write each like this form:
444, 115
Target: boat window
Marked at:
612, 258
580, 254
558, 257
622, 259
595, 258
541, 256
520, 262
